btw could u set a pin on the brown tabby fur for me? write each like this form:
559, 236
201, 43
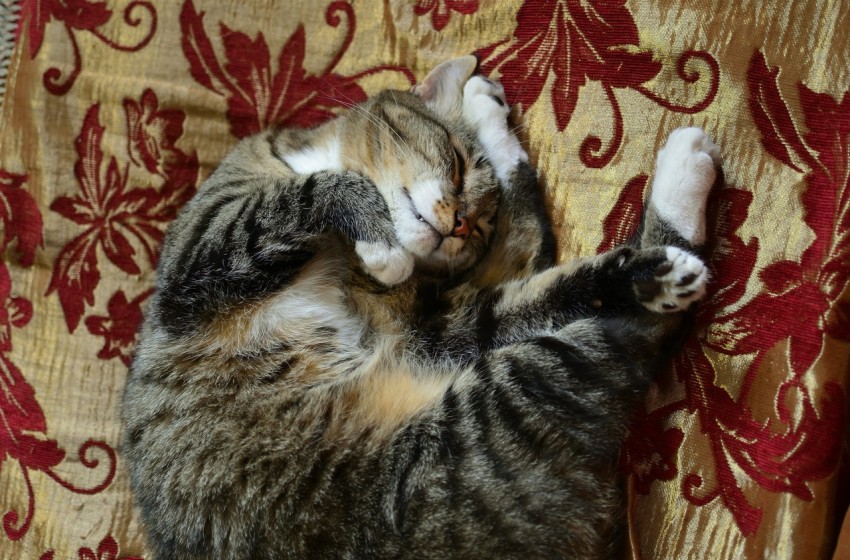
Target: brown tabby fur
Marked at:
290, 400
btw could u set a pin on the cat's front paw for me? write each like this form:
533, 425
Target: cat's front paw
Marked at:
685, 170
389, 265
483, 101
485, 109
676, 283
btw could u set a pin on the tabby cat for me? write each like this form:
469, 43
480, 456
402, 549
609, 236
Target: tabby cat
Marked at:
360, 345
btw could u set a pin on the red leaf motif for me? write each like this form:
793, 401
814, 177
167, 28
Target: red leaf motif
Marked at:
623, 221
249, 66
649, 452
81, 14
118, 328
828, 124
22, 419
801, 295
257, 96
111, 212
153, 133
773, 120
781, 276
576, 41
75, 276
203, 64
20, 218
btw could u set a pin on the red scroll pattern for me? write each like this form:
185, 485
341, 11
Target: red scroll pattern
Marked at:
441, 10
82, 15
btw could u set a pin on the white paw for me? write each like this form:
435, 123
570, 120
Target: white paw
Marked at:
685, 170
677, 284
388, 265
484, 100
486, 111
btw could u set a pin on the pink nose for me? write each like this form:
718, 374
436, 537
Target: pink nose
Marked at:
461, 227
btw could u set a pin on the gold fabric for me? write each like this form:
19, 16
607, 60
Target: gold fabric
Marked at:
115, 111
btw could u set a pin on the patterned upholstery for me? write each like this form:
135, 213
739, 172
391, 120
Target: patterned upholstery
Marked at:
114, 111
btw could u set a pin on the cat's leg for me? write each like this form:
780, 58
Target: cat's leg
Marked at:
352, 205
245, 237
524, 242
624, 282
664, 276
685, 170
486, 110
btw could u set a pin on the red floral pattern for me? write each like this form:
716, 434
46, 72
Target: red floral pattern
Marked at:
799, 307
106, 550
118, 328
23, 429
577, 42
800, 312
81, 15
257, 96
111, 211
622, 222
441, 10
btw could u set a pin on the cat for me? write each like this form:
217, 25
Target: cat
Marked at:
360, 345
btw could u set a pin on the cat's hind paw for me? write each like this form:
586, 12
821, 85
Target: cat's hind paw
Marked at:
685, 170
389, 265
485, 109
676, 283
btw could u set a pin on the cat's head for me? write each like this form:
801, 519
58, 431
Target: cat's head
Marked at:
415, 146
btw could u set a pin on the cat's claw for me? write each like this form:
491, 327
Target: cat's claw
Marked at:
389, 265
677, 282
486, 110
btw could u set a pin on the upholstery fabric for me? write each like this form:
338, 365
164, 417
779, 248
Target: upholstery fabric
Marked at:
115, 111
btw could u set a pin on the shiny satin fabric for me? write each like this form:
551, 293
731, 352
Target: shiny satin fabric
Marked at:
115, 111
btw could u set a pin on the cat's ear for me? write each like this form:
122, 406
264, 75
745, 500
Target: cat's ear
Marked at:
442, 88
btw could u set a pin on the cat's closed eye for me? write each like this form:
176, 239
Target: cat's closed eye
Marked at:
458, 169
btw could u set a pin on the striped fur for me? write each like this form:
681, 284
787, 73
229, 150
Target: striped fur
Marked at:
319, 375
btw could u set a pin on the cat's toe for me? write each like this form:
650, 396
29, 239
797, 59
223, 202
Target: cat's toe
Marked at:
389, 265
677, 282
